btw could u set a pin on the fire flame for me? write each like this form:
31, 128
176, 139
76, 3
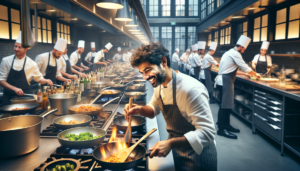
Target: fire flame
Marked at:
113, 138
102, 150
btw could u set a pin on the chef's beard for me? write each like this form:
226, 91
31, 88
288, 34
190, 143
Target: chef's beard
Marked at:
160, 77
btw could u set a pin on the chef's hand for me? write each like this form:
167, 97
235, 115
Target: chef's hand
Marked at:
80, 69
81, 74
161, 149
86, 68
49, 82
46, 81
18, 91
133, 111
73, 77
105, 64
68, 81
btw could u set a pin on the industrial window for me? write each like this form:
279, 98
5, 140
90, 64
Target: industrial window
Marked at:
145, 6
209, 40
180, 38
216, 36
210, 6
153, 8
180, 7
220, 2
222, 36
227, 35
260, 32
63, 31
193, 7
203, 9
280, 24
39, 38
192, 36
166, 7
166, 38
155, 33
242, 29
294, 21
5, 23
44, 29
15, 23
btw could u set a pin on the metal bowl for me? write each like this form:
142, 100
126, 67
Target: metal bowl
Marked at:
134, 95
78, 117
62, 102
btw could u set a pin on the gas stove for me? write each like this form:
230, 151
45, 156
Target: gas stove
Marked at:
38, 111
125, 100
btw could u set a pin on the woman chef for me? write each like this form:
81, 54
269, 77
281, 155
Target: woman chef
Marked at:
262, 63
99, 60
205, 75
16, 72
231, 61
184, 104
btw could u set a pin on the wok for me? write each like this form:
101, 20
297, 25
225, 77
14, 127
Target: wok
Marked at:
118, 87
77, 117
137, 156
81, 144
20, 134
8, 108
139, 81
136, 87
114, 92
134, 95
137, 123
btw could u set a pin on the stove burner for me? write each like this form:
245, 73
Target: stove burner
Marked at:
121, 132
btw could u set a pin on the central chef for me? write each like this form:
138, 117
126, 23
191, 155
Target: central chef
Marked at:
184, 103
99, 60
75, 58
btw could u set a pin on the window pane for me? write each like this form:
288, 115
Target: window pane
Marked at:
4, 30
239, 27
69, 39
264, 22
49, 24
15, 31
245, 34
44, 36
61, 28
15, 15
57, 27
245, 26
39, 35
256, 35
44, 23
68, 30
49, 37
58, 35
281, 16
39, 22
280, 31
264, 34
3, 13
257, 22
65, 29
295, 12
293, 29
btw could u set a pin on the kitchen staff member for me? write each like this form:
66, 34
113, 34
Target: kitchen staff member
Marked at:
201, 51
16, 73
175, 59
99, 60
231, 61
126, 56
190, 59
75, 58
196, 62
118, 56
91, 55
262, 63
205, 76
47, 62
184, 104
184, 57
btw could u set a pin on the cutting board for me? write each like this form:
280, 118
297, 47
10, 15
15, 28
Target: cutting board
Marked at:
287, 87
269, 79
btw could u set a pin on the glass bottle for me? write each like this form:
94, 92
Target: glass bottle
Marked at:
68, 86
282, 77
78, 93
88, 84
45, 98
81, 85
55, 90
51, 89
40, 96
85, 81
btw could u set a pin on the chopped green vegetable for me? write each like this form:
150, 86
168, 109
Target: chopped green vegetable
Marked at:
67, 136
63, 168
72, 167
58, 167
82, 136
59, 122
54, 169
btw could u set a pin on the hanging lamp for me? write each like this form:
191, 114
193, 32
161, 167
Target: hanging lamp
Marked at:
124, 13
133, 22
110, 4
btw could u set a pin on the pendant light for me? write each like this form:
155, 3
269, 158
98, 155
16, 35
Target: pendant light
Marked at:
27, 38
110, 4
133, 22
124, 13
134, 29
137, 33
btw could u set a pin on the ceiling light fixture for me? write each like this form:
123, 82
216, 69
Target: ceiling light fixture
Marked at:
238, 16
73, 19
133, 22
134, 29
89, 25
110, 4
52, 10
124, 13
252, 8
136, 32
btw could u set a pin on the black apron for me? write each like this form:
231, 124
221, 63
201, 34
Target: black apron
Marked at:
228, 90
68, 70
17, 79
93, 57
261, 66
98, 66
197, 70
186, 159
51, 71
78, 63
208, 82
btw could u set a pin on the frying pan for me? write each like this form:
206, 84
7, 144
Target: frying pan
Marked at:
115, 92
140, 81
8, 108
98, 85
137, 156
128, 78
62, 161
81, 144
133, 95
77, 117
136, 87
118, 87
137, 123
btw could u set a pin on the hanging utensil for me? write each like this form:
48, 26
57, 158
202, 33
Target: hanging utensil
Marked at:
127, 136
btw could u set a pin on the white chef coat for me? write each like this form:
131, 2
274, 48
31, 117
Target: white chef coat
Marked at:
263, 58
117, 57
62, 63
42, 63
31, 69
184, 57
127, 56
206, 62
99, 56
192, 101
230, 61
74, 58
196, 60
175, 57
89, 56
189, 64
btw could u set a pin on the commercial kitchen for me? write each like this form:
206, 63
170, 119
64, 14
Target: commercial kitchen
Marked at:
82, 82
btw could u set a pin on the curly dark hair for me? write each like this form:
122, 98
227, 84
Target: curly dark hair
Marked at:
152, 53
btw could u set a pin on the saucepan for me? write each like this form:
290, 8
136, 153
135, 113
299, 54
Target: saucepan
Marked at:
110, 92
76, 117
137, 123
27, 108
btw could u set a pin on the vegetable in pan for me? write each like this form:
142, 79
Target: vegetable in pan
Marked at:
82, 136
66, 167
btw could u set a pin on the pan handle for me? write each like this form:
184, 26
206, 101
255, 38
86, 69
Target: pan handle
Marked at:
147, 153
111, 101
48, 113
96, 98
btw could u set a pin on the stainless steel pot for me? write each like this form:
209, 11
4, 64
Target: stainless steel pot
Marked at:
62, 102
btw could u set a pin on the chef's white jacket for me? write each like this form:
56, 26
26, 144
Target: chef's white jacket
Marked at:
74, 58
99, 56
175, 57
62, 63
206, 62
184, 57
117, 57
31, 69
263, 59
89, 56
192, 100
196, 60
189, 64
127, 56
42, 63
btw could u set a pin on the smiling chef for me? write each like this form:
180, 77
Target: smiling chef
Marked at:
184, 103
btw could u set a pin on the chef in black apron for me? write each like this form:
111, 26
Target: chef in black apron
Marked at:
205, 74
184, 104
75, 58
262, 63
184, 57
118, 57
16, 73
99, 60
196, 62
231, 61
47, 62
91, 55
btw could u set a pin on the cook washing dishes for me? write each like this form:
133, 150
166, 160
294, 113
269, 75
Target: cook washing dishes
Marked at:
91, 55
184, 104
184, 57
205, 74
196, 62
99, 60
126, 56
262, 63
175, 59
118, 56
230, 62
16, 73
75, 58
47, 62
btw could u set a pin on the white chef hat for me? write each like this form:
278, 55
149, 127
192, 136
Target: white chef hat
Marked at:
201, 45
61, 44
213, 46
244, 41
19, 39
188, 50
93, 45
108, 46
81, 43
177, 50
265, 45
119, 49
195, 47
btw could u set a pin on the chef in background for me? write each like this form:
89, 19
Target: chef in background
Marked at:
127, 56
205, 74
175, 59
47, 62
118, 56
16, 73
75, 58
91, 55
99, 60
231, 61
191, 60
184, 58
262, 63
196, 62
201, 51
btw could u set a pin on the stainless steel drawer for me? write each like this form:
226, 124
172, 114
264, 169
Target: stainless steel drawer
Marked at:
260, 109
268, 128
269, 107
269, 96
268, 101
